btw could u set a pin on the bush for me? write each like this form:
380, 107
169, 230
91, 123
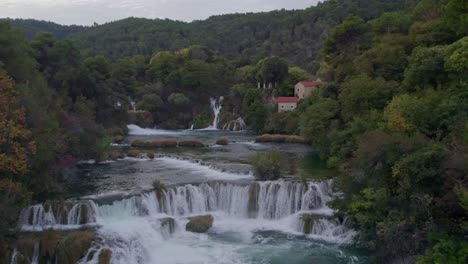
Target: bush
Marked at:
281, 139
150, 155
191, 143
134, 153
159, 186
118, 139
159, 189
140, 118
222, 141
160, 143
267, 166
116, 155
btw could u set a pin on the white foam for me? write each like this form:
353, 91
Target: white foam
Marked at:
139, 131
209, 172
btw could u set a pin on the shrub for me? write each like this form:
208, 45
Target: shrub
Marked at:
267, 166
191, 143
159, 189
159, 186
159, 143
118, 139
116, 155
222, 141
137, 143
134, 153
281, 139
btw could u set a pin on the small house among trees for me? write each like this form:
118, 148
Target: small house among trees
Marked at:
287, 103
303, 88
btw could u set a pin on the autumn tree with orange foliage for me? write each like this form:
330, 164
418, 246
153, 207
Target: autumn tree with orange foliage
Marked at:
16, 146
16, 143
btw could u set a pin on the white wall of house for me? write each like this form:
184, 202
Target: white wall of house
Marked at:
284, 107
301, 92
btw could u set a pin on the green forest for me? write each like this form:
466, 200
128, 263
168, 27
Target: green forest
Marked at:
390, 118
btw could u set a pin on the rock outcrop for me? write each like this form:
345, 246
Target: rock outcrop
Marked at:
199, 224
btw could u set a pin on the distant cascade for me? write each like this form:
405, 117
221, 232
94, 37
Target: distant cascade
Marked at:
216, 108
13, 256
132, 103
235, 125
46, 215
35, 255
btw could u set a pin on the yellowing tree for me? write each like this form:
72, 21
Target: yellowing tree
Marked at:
15, 139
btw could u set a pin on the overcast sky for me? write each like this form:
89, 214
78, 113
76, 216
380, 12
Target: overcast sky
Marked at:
86, 12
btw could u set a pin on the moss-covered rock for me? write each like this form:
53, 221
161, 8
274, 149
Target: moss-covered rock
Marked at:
65, 247
309, 220
150, 154
253, 200
116, 155
105, 256
83, 214
199, 224
191, 144
222, 141
134, 153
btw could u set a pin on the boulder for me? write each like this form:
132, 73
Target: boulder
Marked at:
309, 220
134, 153
191, 144
222, 141
199, 224
105, 256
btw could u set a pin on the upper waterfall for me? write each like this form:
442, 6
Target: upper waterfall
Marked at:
216, 106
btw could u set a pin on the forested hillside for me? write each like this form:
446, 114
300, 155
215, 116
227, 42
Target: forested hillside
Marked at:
31, 27
296, 35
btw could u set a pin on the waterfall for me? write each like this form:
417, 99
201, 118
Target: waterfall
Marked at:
143, 228
60, 216
13, 256
236, 124
265, 200
35, 255
132, 103
216, 108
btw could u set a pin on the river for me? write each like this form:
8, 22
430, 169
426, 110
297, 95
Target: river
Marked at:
254, 222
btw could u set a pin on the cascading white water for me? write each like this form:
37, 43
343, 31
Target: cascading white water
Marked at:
134, 228
216, 108
35, 255
235, 125
132, 103
266, 200
13, 256
65, 216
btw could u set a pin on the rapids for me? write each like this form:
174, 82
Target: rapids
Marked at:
254, 222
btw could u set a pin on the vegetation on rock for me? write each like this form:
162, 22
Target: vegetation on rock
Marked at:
267, 166
222, 141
